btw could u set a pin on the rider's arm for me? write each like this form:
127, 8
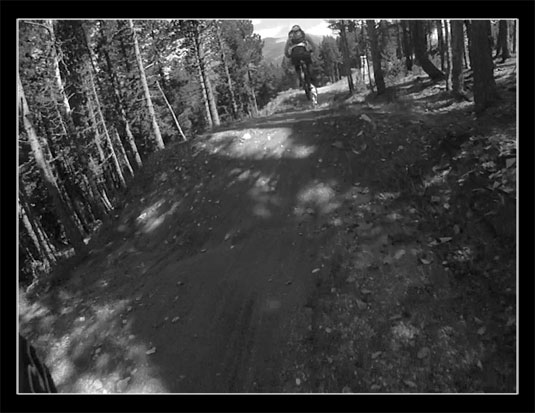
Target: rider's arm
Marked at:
311, 43
287, 48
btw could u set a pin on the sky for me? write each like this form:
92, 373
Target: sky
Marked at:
280, 27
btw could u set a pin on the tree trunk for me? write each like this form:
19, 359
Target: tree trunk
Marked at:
417, 32
484, 84
212, 107
457, 48
514, 36
447, 41
202, 78
106, 174
57, 73
468, 26
407, 45
93, 91
93, 121
119, 103
503, 43
171, 111
465, 46
441, 44
227, 73
399, 41
123, 153
207, 112
252, 94
115, 161
41, 246
212, 101
368, 68
75, 210
148, 100
345, 51
72, 33
376, 58
73, 235
427, 34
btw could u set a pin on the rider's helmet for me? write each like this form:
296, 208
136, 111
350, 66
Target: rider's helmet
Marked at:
295, 28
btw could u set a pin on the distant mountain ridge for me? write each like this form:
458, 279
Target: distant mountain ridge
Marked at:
273, 51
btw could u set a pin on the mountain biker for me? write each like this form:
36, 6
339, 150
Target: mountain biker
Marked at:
299, 46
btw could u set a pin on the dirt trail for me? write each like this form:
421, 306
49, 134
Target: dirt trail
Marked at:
328, 250
220, 318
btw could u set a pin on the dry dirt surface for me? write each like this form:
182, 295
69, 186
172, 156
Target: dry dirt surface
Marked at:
283, 254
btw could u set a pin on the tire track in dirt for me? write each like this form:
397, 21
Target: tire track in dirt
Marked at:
221, 314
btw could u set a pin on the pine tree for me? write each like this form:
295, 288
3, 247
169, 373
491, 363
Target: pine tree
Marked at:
71, 231
502, 46
457, 49
376, 57
148, 100
484, 84
420, 50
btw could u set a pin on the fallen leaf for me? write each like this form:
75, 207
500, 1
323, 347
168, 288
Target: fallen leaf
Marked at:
328, 330
376, 354
361, 304
365, 291
424, 261
410, 383
456, 229
175, 319
298, 382
315, 270
481, 331
151, 351
338, 145
366, 118
445, 239
399, 254
510, 162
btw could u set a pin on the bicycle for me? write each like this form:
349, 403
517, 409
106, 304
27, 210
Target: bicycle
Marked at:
310, 90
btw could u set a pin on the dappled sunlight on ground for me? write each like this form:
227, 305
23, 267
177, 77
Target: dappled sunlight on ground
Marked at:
319, 196
256, 144
262, 193
100, 353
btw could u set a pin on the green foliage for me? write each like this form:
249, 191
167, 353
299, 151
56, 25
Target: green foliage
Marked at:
331, 58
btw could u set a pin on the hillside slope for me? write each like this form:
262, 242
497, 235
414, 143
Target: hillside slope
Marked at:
336, 249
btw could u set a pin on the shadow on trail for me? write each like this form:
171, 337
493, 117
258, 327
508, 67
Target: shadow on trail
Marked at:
204, 273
